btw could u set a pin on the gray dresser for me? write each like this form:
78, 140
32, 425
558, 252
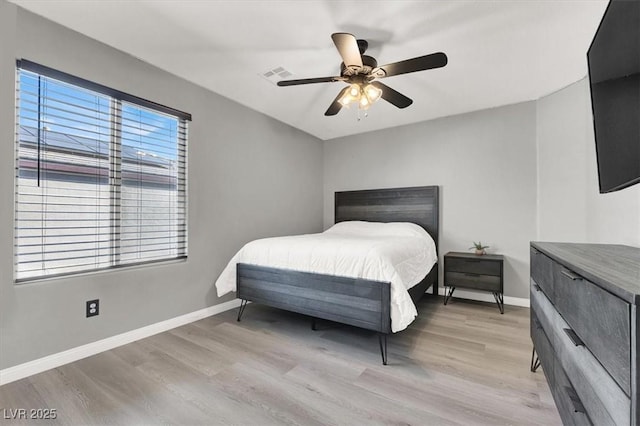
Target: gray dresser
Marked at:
584, 327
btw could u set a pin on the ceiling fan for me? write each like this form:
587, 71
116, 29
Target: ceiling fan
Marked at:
361, 73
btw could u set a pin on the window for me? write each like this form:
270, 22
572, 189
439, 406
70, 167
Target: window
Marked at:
100, 177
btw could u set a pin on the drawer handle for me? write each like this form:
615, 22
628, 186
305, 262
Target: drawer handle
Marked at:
537, 324
471, 274
575, 400
472, 260
570, 275
574, 337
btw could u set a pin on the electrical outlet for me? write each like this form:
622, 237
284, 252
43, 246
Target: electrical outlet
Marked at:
93, 308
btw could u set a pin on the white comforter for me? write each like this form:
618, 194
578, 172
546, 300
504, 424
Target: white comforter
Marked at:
400, 253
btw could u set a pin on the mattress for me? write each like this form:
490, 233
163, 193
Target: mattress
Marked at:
400, 253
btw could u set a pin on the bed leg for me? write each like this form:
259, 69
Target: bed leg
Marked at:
435, 283
382, 339
313, 323
243, 305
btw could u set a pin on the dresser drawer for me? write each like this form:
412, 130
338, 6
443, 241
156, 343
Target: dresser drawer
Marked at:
600, 319
543, 310
476, 266
571, 409
606, 402
542, 272
543, 348
473, 281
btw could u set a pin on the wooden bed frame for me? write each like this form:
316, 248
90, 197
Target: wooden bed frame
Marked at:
358, 302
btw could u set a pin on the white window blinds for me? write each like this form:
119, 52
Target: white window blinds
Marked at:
100, 177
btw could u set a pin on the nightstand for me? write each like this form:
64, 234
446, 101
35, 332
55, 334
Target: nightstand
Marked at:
467, 270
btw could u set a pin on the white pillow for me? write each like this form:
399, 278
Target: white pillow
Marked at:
378, 229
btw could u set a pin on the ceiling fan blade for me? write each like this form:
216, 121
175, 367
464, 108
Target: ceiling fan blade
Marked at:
310, 81
348, 47
336, 106
421, 63
392, 96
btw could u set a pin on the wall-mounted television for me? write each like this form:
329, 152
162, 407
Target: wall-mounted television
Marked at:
614, 76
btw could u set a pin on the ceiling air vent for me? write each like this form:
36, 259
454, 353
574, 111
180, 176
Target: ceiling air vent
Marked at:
277, 74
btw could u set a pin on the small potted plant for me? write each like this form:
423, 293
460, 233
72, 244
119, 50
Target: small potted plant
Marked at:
480, 249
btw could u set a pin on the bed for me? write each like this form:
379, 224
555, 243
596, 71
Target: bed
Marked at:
358, 302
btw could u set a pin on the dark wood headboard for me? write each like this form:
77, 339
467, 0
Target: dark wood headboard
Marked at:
418, 205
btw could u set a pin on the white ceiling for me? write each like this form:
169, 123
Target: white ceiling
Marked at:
500, 52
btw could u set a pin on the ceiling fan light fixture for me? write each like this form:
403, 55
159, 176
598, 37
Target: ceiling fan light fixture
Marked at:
373, 93
364, 96
345, 100
352, 95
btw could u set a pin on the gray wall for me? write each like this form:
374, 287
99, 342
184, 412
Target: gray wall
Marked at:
569, 205
247, 174
484, 163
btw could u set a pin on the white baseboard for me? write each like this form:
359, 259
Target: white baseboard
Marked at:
36, 366
482, 296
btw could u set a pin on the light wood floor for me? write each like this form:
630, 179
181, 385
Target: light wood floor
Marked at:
463, 363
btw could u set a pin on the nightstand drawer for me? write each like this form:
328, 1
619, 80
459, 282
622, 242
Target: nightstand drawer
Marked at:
476, 266
473, 281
